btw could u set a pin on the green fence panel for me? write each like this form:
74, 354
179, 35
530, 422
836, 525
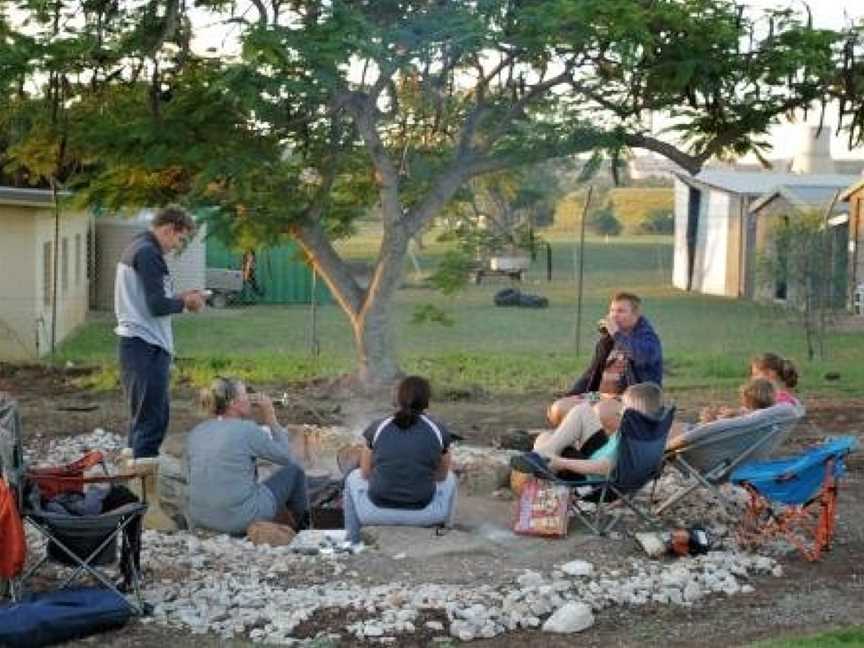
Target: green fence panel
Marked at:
280, 271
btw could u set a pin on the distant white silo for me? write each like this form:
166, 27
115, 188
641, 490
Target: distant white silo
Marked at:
814, 151
114, 234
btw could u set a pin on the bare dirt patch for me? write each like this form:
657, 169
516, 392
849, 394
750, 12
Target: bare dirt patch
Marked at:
808, 598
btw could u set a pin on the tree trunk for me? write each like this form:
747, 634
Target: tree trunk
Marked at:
374, 344
368, 310
373, 330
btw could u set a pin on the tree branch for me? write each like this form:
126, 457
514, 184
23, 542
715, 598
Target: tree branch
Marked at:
691, 163
518, 107
315, 242
362, 109
262, 11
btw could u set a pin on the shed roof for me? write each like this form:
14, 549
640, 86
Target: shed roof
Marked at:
756, 183
855, 188
29, 197
802, 197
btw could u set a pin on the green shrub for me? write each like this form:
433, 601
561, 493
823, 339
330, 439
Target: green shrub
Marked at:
603, 222
658, 221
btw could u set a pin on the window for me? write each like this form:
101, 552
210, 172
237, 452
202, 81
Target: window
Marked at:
78, 259
64, 265
47, 272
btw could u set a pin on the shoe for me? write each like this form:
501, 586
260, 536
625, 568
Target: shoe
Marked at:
532, 464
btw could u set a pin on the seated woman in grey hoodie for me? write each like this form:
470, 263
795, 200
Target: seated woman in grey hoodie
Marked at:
221, 453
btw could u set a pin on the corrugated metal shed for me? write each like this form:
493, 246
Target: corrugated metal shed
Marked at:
281, 273
757, 183
803, 197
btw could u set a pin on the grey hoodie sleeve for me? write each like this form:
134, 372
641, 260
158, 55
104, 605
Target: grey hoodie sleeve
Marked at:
152, 270
274, 445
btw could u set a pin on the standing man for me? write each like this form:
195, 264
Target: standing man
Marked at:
628, 352
144, 302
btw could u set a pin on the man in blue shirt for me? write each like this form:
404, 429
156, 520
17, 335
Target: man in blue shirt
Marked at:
628, 352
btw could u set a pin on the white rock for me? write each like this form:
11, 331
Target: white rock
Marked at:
572, 617
577, 568
462, 630
692, 592
372, 629
530, 579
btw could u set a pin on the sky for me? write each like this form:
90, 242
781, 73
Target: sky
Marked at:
827, 14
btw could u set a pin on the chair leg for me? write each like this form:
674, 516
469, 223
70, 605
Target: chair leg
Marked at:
583, 516
84, 566
646, 514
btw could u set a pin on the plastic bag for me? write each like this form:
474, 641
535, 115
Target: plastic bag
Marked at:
541, 509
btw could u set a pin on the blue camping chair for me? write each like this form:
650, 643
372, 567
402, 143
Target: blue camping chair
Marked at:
795, 497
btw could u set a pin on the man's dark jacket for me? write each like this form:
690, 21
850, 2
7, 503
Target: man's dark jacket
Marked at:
644, 359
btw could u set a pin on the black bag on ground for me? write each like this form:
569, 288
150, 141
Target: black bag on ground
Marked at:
54, 617
514, 297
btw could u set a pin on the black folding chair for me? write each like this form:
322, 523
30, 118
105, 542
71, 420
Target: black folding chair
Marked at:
89, 543
86, 543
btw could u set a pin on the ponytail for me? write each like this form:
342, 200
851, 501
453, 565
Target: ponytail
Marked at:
216, 398
789, 374
412, 399
783, 368
405, 418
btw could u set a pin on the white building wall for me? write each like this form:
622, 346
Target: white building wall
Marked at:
18, 289
679, 259
26, 293
712, 241
72, 293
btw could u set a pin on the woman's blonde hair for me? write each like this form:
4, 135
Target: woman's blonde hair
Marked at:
217, 398
644, 397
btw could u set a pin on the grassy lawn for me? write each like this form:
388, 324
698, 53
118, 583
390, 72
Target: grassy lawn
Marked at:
847, 637
706, 340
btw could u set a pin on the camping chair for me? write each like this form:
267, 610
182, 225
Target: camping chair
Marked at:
641, 442
794, 498
86, 542
709, 453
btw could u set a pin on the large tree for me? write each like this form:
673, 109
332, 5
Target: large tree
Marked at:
299, 116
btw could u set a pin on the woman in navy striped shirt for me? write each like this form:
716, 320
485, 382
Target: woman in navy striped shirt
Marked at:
404, 476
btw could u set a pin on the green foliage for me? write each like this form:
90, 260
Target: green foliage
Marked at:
429, 313
603, 221
452, 272
658, 221
633, 205
333, 109
801, 260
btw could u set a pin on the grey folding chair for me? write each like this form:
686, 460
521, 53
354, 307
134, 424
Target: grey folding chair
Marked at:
708, 454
